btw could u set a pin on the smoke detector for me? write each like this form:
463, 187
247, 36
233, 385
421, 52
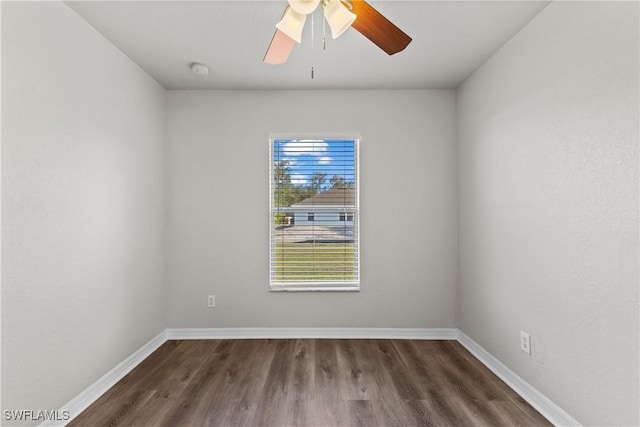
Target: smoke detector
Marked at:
199, 69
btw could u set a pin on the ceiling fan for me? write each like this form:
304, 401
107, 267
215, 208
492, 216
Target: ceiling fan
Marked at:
340, 15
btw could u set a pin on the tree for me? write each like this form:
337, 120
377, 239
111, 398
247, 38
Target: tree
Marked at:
283, 193
286, 193
282, 173
317, 182
339, 182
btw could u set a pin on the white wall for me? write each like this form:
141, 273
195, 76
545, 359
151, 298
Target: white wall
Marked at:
82, 196
548, 207
217, 169
548, 202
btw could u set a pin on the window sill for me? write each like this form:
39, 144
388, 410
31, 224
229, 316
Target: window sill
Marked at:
307, 288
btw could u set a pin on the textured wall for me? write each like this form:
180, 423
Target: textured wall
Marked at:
217, 174
548, 202
82, 200
548, 207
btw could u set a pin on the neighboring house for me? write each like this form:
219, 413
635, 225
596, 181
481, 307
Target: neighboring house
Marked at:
332, 208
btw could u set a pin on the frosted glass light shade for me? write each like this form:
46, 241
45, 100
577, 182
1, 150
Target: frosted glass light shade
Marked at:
292, 24
338, 17
304, 7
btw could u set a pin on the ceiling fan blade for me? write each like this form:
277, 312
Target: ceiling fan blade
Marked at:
279, 48
374, 26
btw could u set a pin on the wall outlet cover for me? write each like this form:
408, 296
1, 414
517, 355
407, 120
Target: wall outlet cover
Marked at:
525, 342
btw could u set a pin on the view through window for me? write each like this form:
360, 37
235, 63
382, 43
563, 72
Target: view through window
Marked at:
314, 214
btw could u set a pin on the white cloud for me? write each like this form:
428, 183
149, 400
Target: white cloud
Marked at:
305, 148
325, 160
298, 179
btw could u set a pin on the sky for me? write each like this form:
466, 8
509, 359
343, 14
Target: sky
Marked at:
306, 156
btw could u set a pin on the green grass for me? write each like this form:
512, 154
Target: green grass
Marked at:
301, 262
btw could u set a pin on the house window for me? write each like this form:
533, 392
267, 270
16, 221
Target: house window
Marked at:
346, 216
315, 181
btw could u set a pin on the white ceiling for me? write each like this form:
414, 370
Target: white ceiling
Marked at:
450, 40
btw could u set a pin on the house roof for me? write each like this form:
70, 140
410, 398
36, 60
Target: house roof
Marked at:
331, 197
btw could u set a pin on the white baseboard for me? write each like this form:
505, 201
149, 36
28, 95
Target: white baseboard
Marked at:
540, 402
108, 380
336, 333
536, 399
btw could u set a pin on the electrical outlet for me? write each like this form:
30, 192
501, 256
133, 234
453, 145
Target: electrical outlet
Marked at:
525, 342
211, 301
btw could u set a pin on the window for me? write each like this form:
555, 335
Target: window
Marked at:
314, 182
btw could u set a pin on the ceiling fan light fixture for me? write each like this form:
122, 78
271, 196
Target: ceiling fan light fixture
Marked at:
292, 24
338, 17
304, 7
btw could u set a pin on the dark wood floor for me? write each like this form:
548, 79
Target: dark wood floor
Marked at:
319, 382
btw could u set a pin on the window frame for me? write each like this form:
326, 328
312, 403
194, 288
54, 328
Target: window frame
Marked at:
317, 286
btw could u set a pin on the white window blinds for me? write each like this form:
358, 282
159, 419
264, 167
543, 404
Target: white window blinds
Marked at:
313, 214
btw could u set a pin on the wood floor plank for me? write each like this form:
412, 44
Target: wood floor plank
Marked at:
227, 384
361, 413
123, 398
355, 378
274, 403
245, 393
393, 413
428, 374
310, 382
467, 388
328, 381
404, 383
153, 413
303, 365
174, 378
392, 408
194, 405
364, 363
